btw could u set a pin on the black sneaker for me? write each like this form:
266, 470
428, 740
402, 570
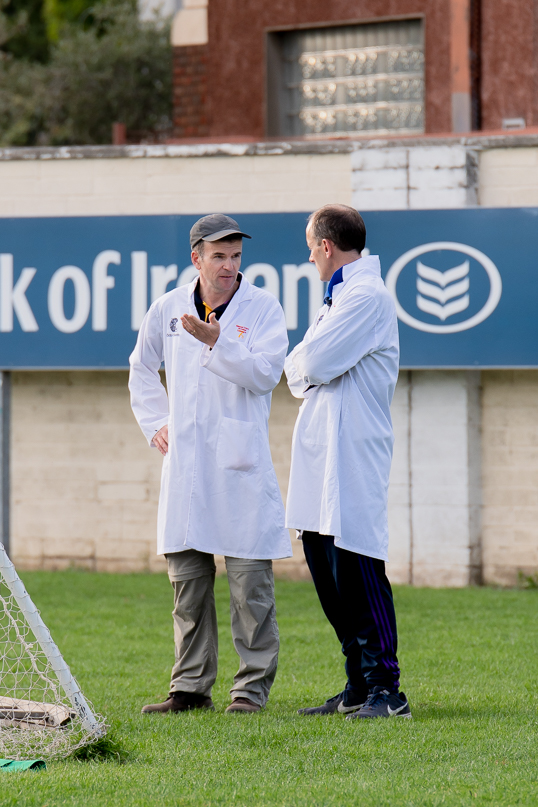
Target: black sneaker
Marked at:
382, 703
345, 702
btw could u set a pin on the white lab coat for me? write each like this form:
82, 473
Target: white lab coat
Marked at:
219, 491
342, 443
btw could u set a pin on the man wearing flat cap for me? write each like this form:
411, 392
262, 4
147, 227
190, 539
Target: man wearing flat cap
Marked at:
223, 342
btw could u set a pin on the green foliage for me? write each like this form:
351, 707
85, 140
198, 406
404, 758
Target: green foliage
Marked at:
23, 30
58, 12
468, 660
116, 69
527, 580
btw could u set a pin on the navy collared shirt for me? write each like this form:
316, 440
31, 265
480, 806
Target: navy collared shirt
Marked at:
338, 277
204, 311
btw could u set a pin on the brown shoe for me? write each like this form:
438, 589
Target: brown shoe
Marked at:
180, 702
243, 705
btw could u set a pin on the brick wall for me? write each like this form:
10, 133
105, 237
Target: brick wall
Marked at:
237, 66
236, 57
190, 98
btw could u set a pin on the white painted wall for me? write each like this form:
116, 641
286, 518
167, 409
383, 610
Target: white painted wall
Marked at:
509, 177
415, 178
443, 428
165, 185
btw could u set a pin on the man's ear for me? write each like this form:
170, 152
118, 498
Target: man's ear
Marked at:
195, 258
328, 247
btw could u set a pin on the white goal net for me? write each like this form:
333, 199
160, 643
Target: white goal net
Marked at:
43, 713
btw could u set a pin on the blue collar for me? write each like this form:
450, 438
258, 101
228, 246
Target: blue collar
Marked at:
338, 277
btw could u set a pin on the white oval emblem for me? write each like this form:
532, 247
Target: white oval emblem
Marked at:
441, 293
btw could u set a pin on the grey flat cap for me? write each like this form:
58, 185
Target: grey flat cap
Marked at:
213, 228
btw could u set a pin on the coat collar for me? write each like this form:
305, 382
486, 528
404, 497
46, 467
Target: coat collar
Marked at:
242, 295
353, 273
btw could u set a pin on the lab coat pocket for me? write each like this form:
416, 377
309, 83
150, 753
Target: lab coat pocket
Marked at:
238, 445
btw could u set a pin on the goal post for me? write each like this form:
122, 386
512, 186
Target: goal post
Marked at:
33, 675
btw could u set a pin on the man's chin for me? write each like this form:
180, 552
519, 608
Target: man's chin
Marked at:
321, 272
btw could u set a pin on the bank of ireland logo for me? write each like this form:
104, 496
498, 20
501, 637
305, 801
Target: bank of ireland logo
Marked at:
444, 287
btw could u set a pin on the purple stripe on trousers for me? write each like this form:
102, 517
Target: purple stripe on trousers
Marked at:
381, 606
379, 613
371, 600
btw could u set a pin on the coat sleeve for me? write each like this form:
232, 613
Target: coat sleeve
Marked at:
257, 368
296, 383
339, 342
149, 400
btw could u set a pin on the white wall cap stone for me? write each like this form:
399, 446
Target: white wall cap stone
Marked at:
189, 27
265, 148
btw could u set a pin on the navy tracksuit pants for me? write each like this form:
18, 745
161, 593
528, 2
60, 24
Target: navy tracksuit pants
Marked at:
356, 597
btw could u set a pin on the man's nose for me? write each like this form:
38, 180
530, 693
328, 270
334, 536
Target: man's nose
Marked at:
311, 258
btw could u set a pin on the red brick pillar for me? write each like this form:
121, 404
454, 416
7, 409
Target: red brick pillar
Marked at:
190, 100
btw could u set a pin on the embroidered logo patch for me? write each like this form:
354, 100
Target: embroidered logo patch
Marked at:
241, 331
173, 325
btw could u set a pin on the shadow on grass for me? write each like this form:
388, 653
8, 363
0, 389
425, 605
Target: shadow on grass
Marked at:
107, 749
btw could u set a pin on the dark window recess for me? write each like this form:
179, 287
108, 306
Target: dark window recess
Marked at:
347, 80
476, 66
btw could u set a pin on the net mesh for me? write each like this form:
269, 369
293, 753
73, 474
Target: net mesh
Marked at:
36, 717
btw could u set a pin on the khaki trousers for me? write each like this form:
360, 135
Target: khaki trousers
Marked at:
253, 619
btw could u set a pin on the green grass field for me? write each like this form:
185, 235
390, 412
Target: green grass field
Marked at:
469, 661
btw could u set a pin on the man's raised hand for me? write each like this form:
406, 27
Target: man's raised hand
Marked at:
206, 332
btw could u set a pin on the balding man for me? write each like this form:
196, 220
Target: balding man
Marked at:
346, 370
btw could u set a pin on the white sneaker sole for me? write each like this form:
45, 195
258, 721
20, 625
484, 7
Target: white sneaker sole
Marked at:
345, 710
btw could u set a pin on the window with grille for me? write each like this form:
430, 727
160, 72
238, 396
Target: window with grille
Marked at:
347, 80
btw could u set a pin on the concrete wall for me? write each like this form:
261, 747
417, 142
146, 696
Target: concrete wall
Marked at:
414, 178
463, 482
85, 484
160, 185
434, 499
509, 177
509, 475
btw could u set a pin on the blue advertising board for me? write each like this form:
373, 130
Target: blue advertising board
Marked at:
74, 290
